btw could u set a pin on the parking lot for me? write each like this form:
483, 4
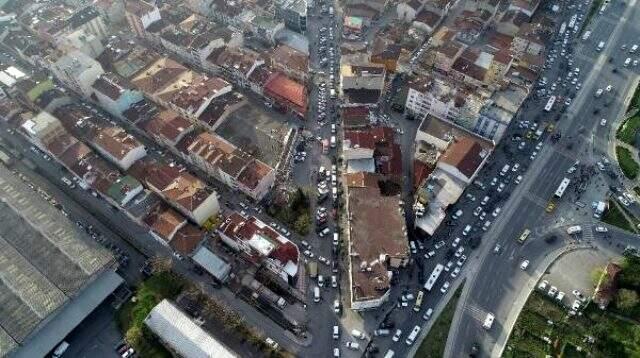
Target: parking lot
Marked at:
576, 270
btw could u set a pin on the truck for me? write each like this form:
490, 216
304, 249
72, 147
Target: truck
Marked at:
313, 269
263, 293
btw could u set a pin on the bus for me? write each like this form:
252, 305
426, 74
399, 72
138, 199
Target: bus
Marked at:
550, 103
418, 304
562, 187
434, 277
524, 236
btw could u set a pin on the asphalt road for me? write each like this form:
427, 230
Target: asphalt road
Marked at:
498, 282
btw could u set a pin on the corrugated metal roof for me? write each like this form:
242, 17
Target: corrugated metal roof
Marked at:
212, 263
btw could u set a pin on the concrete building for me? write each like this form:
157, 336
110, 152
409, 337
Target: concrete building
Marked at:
54, 275
287, 94
77, 71
90, 21
291, 62
124, 190
42, 129
140, 15
113, 96
293, 13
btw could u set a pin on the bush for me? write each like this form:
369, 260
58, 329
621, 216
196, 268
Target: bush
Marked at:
629, 166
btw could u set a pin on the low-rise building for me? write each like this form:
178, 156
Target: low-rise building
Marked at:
118, 146
113, 96
293, 13
124, 190
186, 193
231, 166
291, 62
287, 94
377, 241
262, 245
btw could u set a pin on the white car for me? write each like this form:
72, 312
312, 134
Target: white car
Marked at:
524, 265
601, 229
500, 188
455, 272
396, 336
609, 88
543, 285
552, 291
353, 345
445, 287
495, 212
603, 122
459, 251
429, 254
439, 244
428, 314
455, 242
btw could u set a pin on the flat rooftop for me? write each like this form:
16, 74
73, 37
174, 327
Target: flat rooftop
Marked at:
252, 130
46, 263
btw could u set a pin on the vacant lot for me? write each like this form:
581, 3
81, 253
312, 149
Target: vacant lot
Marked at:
435, 341
629, 166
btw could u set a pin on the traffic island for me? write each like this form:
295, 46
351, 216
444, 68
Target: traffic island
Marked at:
435, 342
628, 164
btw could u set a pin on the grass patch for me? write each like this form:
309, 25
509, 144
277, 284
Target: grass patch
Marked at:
628, 130
635, 101
636, 189
543, 320
435, 341
132, 314
629, 166
614, 217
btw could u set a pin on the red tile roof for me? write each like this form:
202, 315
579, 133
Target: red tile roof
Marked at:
286, 88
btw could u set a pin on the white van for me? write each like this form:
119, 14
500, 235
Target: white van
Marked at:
576, 229
316, 294
356, 333
60, 349
488, 321
413, 335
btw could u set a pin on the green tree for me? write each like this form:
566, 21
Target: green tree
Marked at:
626, 300
302, 224
630, 275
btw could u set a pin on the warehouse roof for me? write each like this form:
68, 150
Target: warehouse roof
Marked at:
45, 261
182, 335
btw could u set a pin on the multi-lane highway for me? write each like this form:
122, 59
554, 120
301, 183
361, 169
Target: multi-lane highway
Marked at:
498, 285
